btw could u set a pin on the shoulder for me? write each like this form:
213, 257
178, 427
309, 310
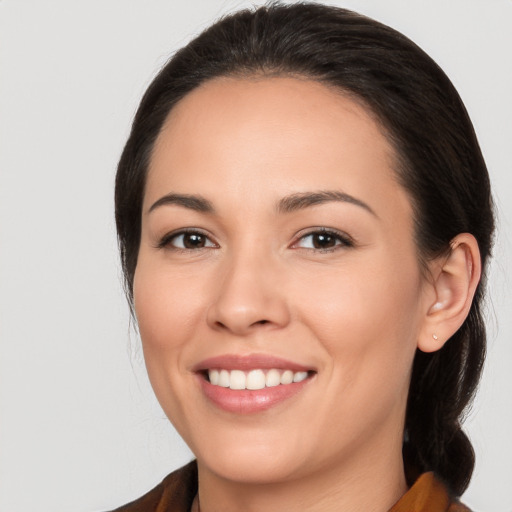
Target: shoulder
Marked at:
174, 493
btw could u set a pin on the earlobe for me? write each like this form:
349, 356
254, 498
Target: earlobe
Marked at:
455, 278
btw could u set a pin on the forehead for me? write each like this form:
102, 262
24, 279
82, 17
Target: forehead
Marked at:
261, 137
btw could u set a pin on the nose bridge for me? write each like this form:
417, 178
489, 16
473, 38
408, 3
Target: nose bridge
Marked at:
248, 294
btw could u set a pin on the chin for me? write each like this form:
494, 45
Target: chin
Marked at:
250, 455
250, 468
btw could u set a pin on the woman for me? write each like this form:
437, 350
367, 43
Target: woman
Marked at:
304, 218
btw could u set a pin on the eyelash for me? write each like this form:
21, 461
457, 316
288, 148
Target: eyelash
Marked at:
166, 241
344, 240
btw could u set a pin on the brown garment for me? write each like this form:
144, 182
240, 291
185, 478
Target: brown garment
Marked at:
177, 491
428, 495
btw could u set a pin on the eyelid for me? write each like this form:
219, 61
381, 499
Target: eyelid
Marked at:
345, 239
342, 237
165, 241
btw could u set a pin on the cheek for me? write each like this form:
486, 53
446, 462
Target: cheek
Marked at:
361, 295
367, 317
167, 311
166, 306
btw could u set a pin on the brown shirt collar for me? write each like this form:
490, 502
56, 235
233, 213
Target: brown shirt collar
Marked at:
428, 495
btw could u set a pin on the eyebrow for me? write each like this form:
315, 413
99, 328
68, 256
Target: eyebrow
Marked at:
303, 200
192, 202
288, 204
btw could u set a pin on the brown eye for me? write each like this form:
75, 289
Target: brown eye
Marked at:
187, 240
324, 240
193, 240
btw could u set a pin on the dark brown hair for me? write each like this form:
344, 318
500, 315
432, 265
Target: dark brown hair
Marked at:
439, 163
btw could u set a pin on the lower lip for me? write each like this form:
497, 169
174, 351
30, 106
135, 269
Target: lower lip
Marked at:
247, 401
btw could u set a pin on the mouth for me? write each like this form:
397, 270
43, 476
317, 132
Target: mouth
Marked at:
249, 384
254, 379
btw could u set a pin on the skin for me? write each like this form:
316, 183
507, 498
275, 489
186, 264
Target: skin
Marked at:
355, 313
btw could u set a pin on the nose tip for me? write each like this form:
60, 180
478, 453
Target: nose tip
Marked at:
247, 301
239, 320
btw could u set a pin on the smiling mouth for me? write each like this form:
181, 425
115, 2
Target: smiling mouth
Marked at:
252, 383
254, 379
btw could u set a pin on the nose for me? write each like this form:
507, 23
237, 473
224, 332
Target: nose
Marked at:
249, 296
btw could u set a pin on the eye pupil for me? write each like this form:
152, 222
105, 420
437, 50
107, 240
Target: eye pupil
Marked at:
193, 240
323, 240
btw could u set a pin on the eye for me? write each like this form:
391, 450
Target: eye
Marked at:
186, 240
324, 239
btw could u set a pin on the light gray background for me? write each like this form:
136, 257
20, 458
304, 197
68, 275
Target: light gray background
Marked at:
80, 429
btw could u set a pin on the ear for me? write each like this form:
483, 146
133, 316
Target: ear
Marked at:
454, 281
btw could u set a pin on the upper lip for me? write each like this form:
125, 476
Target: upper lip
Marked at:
249, 362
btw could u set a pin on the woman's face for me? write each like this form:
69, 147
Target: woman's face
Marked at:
277, 244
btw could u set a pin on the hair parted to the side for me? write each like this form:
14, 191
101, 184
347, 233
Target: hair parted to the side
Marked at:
439, 163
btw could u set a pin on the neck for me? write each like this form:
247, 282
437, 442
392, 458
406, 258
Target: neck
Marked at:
373, 483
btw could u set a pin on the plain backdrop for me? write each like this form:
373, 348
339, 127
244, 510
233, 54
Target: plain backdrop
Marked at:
80, 429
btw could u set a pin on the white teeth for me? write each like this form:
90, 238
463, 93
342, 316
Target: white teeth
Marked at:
287, 377
254, 379
299, 376
273, 378
237, 380
213, 375
224, 379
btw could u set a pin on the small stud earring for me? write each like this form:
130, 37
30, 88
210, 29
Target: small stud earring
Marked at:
434, 336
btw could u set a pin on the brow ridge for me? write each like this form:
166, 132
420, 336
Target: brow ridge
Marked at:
190, 201
288, 204
303, 200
